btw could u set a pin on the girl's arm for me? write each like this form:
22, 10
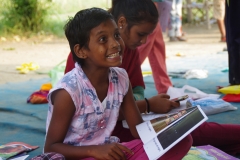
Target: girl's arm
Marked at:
158, 104
131, 112
62, 115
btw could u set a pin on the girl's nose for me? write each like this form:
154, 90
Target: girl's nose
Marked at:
115, 44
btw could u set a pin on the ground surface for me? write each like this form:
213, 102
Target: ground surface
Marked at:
49, 51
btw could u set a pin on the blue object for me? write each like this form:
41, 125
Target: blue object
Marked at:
20, 121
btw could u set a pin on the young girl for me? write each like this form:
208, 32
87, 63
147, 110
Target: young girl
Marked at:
223, 136
134, 27
85, 104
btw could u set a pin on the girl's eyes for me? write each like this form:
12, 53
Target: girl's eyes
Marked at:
117, 35
102, 39
141, 35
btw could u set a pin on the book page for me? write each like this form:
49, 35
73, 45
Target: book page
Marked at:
174, 133
151, 115
14, 148
149, 129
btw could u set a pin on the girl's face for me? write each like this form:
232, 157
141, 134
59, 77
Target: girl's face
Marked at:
137, 34
106, 47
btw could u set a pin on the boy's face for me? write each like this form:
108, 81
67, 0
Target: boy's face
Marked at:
137, 34
106, 47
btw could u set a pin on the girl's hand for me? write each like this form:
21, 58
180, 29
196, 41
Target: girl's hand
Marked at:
161, 103
111, 151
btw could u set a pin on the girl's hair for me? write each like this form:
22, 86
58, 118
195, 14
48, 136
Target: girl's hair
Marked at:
78, 28
135, 11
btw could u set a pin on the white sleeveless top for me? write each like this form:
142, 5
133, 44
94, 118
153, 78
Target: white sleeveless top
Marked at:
93, 121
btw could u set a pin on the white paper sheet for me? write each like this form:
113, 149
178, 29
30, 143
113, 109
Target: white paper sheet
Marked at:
20, 158
151, 115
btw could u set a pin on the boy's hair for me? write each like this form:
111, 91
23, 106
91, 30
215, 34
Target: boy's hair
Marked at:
135, 11
78, 28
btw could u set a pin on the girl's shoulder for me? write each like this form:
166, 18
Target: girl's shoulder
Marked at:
69, 82
119, 71
120, 75
119, 78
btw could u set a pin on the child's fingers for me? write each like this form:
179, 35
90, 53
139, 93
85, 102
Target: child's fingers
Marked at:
117, 155
175, 104
125, 149
163, 95
117, 151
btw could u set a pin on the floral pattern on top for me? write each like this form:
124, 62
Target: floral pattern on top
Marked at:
92, 123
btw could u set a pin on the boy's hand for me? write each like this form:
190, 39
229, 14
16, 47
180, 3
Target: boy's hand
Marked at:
161, 103
111, 151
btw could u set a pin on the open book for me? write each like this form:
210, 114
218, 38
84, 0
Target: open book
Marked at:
161, 134
13, 149
207, 152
